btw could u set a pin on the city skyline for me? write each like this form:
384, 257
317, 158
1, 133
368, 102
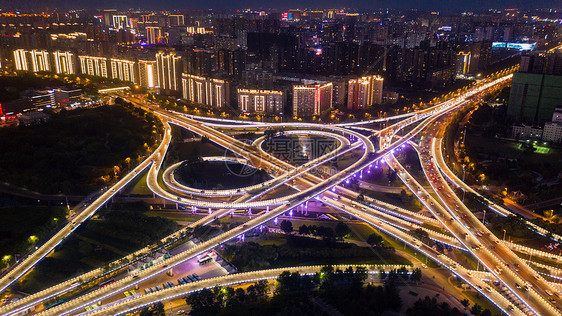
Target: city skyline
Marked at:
447, 7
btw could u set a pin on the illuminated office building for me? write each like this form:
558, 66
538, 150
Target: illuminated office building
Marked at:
260, 101
311, 99
94, 66
65, 63
206, 91
169, 68
364, 92
122, 69
148, 75
43, 99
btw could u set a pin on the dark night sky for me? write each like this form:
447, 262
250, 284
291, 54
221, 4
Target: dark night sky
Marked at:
442, 5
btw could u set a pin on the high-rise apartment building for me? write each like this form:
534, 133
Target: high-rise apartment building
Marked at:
311, 99
206, 91
40, 60
533, 97
176, 20
65, 63
120, 22
199, 62
94, 66
463, 63
255, 101
123, 69
169, 68
21, 60
541, 63
153, 34
364, 92
536, 90
148, 74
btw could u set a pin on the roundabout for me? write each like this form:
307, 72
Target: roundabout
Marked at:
232, 167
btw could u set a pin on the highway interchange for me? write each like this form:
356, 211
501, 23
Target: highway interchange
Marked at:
524, 291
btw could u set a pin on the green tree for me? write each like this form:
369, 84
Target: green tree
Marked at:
476, 310
286, 226
416, 275
157, 309
203, 303
486, 312
342, 230
375, 240
304, 230
382, 274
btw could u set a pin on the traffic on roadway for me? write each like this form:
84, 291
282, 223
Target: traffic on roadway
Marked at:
533, 294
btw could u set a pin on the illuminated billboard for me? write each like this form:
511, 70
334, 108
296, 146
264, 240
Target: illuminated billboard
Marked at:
518, 46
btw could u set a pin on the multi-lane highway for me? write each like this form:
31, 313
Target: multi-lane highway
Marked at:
465, 231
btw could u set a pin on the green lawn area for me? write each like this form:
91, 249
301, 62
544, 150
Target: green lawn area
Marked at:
379, 176
139, 187
539, 149
292, 147
280, 191
465, 259
348, 159
537, 259
366, 230
436, 228
215, 175
271, 239
394, 199
175, 216
394, 259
